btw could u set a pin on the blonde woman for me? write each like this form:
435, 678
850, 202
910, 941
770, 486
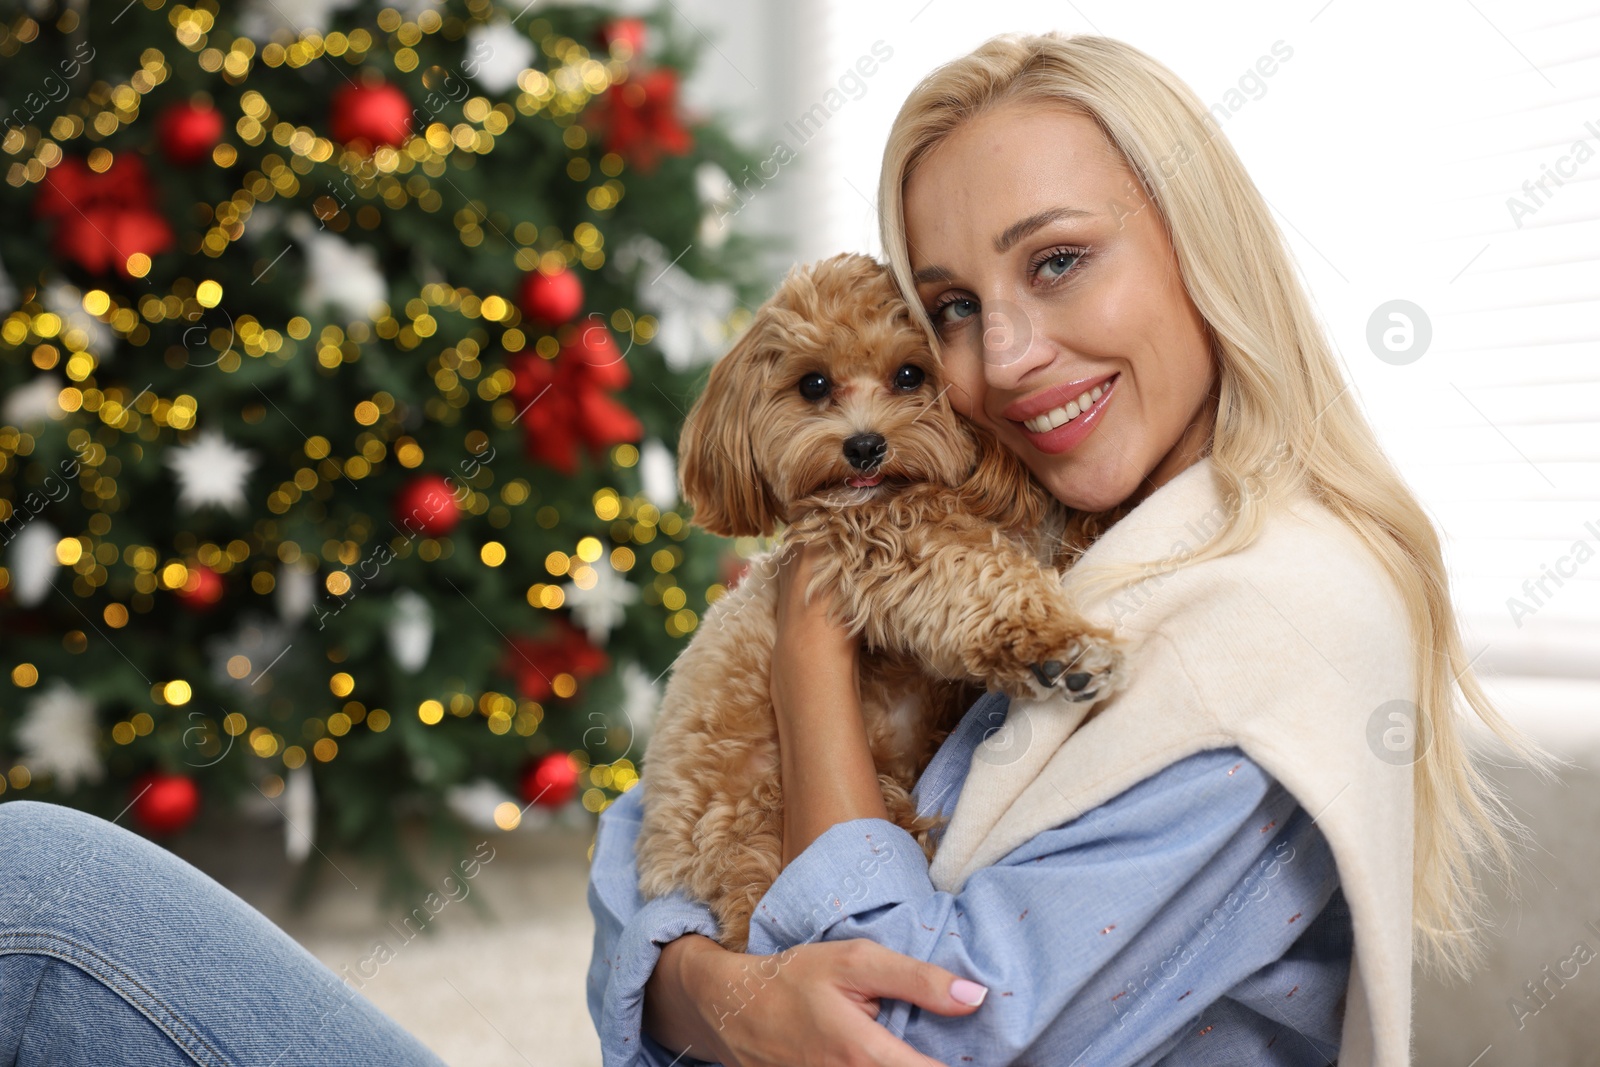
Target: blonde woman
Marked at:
1234, 859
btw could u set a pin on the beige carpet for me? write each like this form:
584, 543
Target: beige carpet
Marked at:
498, 990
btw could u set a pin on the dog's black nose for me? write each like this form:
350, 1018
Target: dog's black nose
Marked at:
865, 450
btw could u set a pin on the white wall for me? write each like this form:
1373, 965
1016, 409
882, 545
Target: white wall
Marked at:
760, 68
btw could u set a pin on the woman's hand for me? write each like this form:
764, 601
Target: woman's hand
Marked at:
815, 1003
823, 755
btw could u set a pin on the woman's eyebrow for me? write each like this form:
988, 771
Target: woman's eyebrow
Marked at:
1013, 233
1018, 230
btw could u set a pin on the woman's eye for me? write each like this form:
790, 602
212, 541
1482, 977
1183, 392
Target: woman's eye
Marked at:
954, 311
814, 386
908, 377
1059, 264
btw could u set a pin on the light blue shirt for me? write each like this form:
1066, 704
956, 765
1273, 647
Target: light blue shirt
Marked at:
1195, 919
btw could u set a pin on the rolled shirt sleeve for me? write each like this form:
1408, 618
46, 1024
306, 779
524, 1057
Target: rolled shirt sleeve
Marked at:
628, 935
1102, 940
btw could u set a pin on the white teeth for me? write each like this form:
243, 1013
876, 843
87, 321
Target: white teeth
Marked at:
1065, 414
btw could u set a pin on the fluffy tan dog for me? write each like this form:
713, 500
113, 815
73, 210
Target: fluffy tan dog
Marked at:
828, 418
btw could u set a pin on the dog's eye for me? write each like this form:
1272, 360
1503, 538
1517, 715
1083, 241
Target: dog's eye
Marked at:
908, 377
813, 386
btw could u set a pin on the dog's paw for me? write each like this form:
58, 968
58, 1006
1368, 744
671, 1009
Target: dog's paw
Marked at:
1090, 669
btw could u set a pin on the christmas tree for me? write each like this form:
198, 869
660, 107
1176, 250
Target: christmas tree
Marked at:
342, 365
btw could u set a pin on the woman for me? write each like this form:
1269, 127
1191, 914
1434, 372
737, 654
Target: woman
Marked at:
1158, 883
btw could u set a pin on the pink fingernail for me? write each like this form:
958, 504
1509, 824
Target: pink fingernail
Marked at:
968, 992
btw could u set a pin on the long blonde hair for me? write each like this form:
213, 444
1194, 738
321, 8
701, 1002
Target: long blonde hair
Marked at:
1286, 421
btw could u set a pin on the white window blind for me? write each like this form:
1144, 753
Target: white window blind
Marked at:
1388, 144
1507, 447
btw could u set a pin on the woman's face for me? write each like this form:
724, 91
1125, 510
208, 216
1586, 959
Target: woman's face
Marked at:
1065, 327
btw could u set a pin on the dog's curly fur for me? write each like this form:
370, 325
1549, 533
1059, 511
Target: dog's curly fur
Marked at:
946, 568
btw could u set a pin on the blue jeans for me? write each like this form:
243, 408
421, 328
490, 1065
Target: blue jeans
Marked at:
114, 951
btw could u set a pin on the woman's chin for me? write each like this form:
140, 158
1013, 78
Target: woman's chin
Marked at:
1091, 494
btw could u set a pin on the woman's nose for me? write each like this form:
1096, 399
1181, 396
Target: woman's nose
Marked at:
1012, 348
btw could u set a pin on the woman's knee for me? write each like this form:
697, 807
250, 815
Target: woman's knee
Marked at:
74, 873
19, 817
59, 860
32, 827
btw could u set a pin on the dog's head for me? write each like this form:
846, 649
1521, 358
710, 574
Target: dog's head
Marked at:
832, 397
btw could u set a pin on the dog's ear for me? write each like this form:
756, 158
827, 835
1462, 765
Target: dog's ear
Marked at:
1000, 488
716, 452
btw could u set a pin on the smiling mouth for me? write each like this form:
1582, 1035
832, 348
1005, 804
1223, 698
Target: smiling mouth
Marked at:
1057, 417
864, 481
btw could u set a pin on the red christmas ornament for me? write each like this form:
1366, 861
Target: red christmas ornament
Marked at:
551, 781
202, 590
165, 803
535, 661
427, 505
370, 115
624, 31
563, 400
102, 218
638, 118
188, 132
552, 299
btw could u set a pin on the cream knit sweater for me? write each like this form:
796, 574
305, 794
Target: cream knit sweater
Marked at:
1287, 649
